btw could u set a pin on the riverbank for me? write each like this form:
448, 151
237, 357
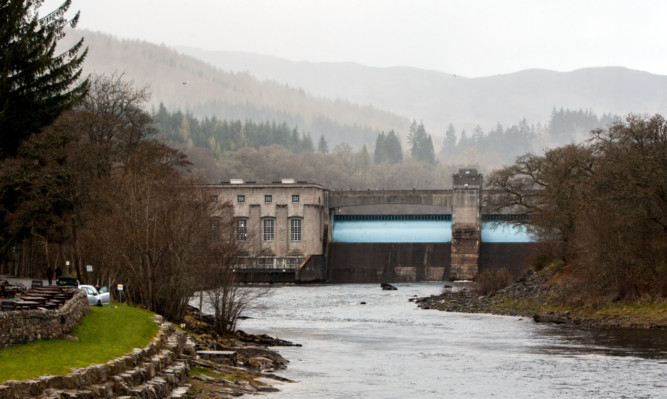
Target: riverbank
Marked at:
235, 365
549, 296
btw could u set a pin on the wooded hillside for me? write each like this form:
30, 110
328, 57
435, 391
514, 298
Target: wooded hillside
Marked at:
185, 83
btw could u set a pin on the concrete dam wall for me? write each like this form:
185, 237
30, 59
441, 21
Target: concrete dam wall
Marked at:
390, 262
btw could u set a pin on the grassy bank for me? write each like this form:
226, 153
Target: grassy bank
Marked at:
103, 334
552, 295
635, 315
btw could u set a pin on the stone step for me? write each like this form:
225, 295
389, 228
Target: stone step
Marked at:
179, 392
157, 387
215, 355
156, 371
163, 384
71, 394
178, 371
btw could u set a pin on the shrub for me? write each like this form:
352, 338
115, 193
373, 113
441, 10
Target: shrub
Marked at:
492, 280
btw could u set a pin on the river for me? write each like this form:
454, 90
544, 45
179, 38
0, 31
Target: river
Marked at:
388, 348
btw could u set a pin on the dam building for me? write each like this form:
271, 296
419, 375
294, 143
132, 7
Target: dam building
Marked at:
296, 231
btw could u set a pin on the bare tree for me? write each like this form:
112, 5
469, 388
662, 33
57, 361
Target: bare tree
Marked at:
602, 207
623, 232
548, 190
228, 298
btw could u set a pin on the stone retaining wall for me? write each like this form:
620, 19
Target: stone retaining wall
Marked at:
156, 371
19, 326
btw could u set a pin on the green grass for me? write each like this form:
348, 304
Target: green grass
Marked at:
104, 334
647, 314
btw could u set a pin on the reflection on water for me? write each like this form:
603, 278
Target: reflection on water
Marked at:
388, 348
648, 344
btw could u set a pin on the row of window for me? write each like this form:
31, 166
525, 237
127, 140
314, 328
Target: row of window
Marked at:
268, 198
268, 229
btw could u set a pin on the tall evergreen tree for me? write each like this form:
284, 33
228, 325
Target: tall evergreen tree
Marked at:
428, 153
364, 158
394, 149
380, 149
322, 146
36, 84
463, 142
421, 144
477, 135
449, 144
306, 143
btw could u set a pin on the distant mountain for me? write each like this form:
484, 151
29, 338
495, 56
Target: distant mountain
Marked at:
184, 82
439, 99
348, 102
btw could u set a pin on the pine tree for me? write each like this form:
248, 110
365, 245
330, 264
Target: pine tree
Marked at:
477, 135
463, 142
322, 146
306, 143
449, 144
421, 144
364, 158
380, 149
36, 84
414, 138
393, 148
428, 153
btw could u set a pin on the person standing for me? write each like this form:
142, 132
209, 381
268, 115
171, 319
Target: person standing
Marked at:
59, 272
49, 274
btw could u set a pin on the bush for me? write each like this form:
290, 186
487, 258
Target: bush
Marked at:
492, 280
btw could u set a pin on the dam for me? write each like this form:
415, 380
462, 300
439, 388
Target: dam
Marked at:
301, 232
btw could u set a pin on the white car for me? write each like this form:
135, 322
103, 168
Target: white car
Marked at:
95, 298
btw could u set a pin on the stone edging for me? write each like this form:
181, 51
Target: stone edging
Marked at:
20, 326
162, 364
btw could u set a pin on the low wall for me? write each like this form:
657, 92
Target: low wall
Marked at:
313, 270
19, 326
120, 377
516, 257
375, 263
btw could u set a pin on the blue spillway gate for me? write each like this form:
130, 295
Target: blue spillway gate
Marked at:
392, 228
504, 232
416, 229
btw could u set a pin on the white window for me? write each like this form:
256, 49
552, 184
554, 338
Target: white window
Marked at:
295, 229
242, 229
295, 198
240, 198
268, 198
268, 229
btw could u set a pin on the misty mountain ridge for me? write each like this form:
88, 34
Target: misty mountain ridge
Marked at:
439, 98
323, 98
192, 85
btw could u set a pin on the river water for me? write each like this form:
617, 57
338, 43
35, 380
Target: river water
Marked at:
388, 348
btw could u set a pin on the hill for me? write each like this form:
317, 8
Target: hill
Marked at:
439, 98
184, 82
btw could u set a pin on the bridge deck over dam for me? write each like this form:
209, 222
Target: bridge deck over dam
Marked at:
341, 199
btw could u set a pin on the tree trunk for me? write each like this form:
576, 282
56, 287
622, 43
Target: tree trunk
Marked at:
77, 254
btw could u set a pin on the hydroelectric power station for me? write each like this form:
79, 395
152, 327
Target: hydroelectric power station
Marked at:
295, 231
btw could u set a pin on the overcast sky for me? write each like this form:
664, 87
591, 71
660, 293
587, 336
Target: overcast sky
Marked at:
468, 37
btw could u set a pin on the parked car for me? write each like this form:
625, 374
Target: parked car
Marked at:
94, 297
67, 281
